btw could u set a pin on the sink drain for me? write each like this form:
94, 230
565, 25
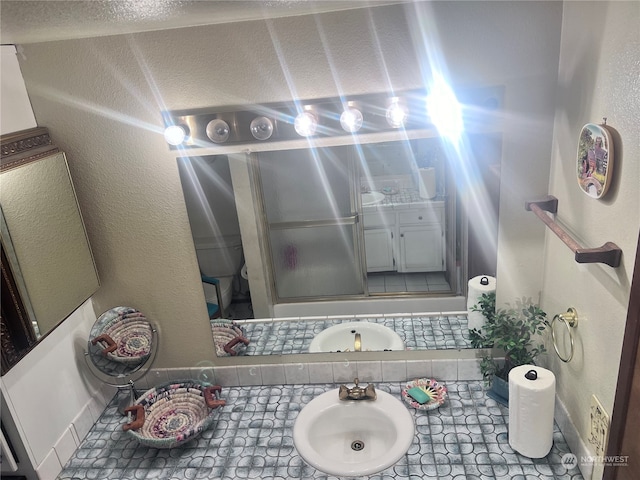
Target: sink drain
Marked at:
357, 445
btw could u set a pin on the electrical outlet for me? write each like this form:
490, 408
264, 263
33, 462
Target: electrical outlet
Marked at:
599, 429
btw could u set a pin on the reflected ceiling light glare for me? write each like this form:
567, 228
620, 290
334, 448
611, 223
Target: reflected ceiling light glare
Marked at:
306, 124
218, 130
175, 134
351, 119
261, 128
444, 110
397, 113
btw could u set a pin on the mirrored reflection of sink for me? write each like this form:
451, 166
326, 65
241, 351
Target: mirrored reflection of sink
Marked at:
342, 338
371, 198
353, 438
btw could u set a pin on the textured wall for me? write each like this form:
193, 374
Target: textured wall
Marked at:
599, 67
15, 111
101, 100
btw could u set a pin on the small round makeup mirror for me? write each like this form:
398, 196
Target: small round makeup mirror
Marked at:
121, 349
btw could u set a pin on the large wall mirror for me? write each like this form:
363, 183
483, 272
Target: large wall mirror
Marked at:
47, 266
399, 217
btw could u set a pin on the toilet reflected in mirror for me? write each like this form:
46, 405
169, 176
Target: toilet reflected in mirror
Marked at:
221, 258
213, 217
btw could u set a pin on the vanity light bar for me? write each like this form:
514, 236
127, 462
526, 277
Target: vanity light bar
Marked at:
284, 121
327, 117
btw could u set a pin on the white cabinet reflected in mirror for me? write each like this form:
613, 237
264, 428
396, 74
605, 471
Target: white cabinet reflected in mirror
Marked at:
47, 265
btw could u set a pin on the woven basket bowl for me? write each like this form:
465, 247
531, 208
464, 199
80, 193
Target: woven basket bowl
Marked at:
127, 332
173, 413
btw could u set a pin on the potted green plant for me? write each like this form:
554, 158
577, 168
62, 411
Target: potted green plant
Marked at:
515, 330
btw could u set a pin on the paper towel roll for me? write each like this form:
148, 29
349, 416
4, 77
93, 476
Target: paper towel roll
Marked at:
531, 408
477, 286
427, 182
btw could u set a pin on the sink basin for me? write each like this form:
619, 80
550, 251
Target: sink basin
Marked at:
341, 337
353, 438
372, 198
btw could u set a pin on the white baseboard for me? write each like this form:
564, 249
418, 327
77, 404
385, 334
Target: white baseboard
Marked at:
577, 446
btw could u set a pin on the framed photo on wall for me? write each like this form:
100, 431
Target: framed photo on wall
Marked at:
594, 166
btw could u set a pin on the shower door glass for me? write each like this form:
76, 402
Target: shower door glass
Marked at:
311, 219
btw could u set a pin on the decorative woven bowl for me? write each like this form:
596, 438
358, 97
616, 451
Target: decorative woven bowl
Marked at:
124, 334
229, 338
173, 413
436, 392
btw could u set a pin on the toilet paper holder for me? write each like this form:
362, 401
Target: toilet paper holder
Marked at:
570, 320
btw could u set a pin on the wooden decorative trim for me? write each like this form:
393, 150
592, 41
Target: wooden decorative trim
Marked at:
10, 355
25, 146
630, 345
17, 335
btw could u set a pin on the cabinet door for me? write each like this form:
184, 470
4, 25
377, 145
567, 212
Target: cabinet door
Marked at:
378, 247
421, 249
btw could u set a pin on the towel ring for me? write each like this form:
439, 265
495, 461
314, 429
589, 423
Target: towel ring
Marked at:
570, 320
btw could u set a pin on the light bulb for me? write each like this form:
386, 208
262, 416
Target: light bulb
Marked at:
306, 124
175, 134
218, 130
261, 128
444, 110
396, 113
351, 119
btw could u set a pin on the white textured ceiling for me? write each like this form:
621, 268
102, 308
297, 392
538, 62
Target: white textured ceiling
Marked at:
31, 21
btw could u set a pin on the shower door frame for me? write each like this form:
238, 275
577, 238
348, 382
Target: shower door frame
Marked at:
453, 238
265, 238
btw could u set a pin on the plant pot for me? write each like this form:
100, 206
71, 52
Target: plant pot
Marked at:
499, 390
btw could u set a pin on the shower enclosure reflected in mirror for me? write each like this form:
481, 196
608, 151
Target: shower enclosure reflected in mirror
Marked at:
47, 264
355, 221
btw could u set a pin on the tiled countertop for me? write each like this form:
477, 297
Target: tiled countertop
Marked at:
444, 331
465, 439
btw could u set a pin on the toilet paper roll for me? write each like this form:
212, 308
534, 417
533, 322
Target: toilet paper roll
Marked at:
427, 182
476, 287
532, 393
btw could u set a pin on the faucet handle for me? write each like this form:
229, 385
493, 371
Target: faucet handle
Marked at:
370, 392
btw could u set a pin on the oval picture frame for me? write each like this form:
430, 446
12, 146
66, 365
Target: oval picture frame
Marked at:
594, 164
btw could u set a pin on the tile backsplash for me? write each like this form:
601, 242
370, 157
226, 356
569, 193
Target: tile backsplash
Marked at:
323, 372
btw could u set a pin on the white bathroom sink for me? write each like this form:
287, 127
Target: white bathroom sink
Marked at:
342, 338
372, 198
353, 438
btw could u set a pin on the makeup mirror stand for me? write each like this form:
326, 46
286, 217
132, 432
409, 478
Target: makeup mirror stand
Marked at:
125, 377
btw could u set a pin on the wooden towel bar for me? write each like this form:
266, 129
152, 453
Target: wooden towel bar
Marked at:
608, 253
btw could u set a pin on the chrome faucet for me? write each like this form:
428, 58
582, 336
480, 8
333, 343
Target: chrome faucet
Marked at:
357, 392
357, 343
